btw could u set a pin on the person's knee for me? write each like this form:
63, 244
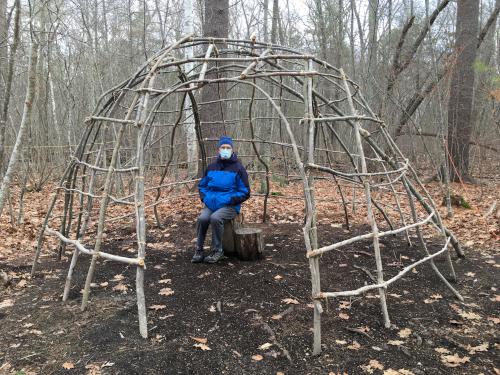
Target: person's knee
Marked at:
215, 219
204, 219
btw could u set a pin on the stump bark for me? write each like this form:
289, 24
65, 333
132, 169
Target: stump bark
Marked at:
248, 243
230, 226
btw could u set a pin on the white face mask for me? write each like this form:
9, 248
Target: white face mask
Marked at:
225, 153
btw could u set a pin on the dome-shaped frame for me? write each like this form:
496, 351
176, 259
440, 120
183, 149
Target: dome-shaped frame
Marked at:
303, 101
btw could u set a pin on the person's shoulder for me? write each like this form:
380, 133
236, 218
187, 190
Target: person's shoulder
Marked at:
212, 166
240, 166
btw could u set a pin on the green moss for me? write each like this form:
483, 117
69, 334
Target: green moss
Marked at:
465, 204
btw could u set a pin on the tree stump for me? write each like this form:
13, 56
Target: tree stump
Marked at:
230, 226
248, 243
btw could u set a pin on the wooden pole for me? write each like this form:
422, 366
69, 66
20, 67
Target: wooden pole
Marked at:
370, 216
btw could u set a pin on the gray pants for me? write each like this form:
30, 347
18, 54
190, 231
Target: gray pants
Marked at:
216, 219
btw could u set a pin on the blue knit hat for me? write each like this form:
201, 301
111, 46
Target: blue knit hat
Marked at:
225, 140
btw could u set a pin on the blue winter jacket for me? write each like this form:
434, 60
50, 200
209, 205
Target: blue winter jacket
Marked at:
225, 183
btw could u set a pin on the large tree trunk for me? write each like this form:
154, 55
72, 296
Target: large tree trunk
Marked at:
216, 25
461, 90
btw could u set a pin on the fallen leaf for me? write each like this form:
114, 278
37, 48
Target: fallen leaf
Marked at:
120, 287
470, 274
21, 284
395, 342
354, 346
157, 307
442, 350
341, 342
166, 292
265, 346
118, 277
480, 348
104, 284
469, 315
398, 372
165, 281
276, 317
68, 365
404, 333
343, 316
494, 320
199, 339
278, 277
6, 303
372, 366
454, 360
202, 346
257, 357
289, 301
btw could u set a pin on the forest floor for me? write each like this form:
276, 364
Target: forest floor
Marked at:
239, 317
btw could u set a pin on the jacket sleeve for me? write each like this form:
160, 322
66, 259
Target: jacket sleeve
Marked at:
203, 186
242, 187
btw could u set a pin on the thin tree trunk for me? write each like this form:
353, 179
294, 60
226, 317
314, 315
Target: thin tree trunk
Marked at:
189, 125
26, 119
5, 95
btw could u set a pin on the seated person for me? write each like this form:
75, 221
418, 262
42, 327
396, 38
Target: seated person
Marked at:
223, 188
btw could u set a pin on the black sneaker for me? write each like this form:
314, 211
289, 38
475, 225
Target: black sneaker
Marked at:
198, 256
214, 256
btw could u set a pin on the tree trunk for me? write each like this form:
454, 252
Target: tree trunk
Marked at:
265, 20
26, 119
189, 125
461, 90
5, 92
216, 25
372, 34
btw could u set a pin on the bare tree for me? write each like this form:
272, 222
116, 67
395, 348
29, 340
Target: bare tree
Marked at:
26, 119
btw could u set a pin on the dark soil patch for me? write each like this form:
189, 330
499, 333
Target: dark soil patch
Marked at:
232, 305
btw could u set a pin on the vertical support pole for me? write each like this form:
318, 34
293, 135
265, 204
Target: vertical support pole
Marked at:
370, 216
108, 184
140, 214
85, 220
310, 229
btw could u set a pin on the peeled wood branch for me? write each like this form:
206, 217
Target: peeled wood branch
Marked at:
386, 283
101, 254
366, 236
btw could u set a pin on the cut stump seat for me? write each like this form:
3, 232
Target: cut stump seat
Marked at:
244, 242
